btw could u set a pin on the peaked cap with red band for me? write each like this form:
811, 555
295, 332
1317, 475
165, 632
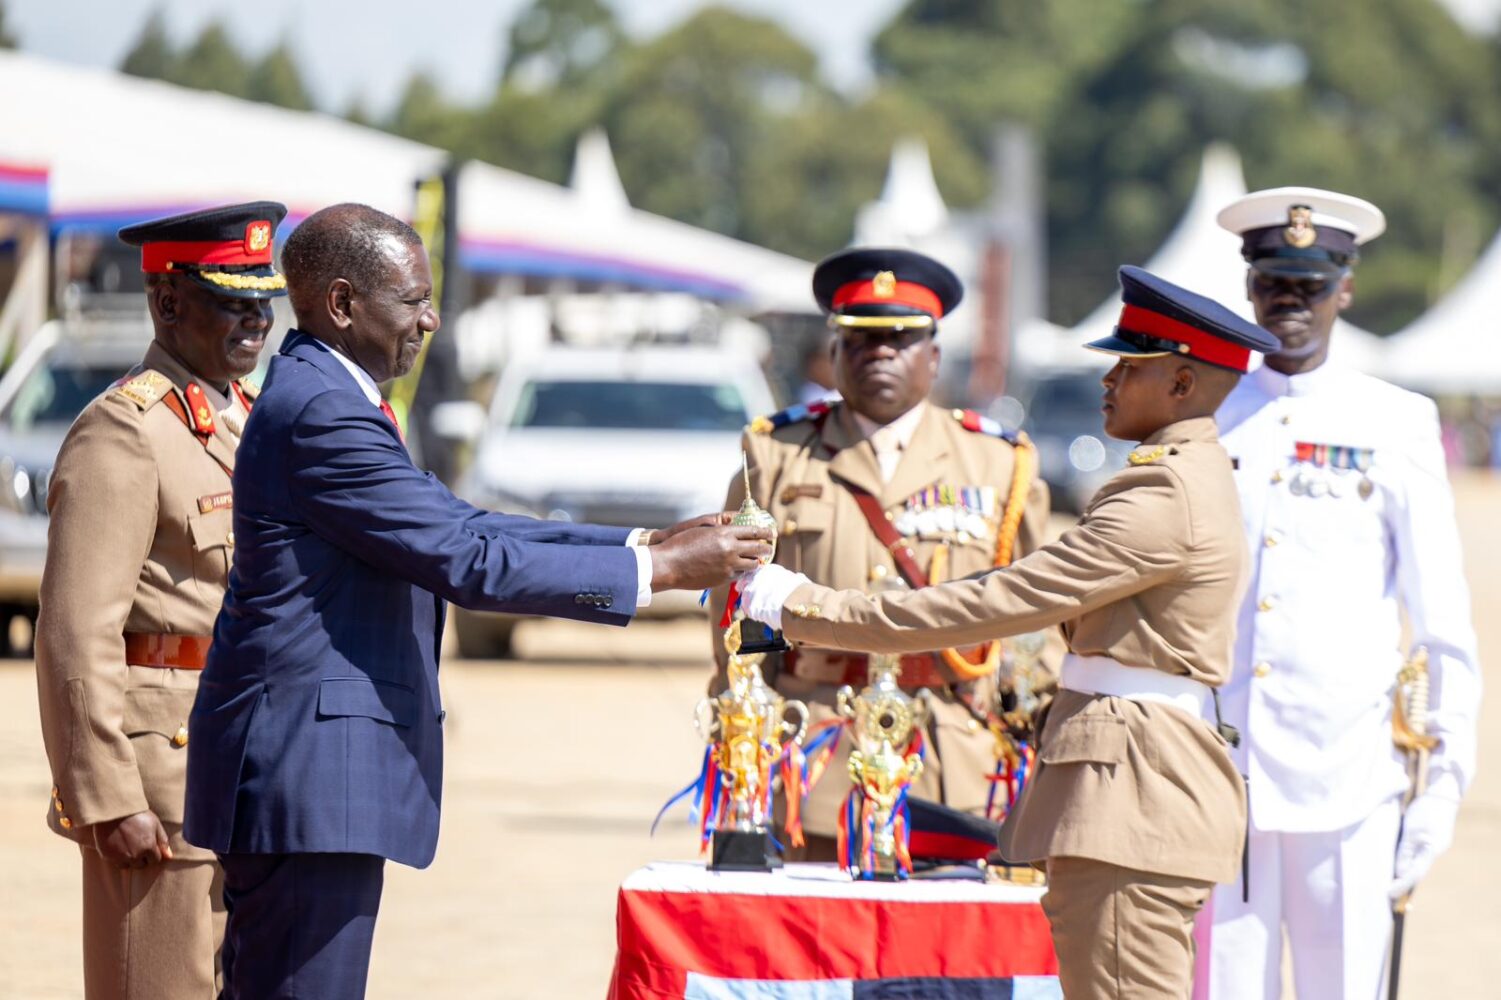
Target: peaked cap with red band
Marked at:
941, 833
1159, 318
226, 250
887, 288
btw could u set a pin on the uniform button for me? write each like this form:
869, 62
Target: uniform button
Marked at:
974, 725
890, 516
606, 601
442, 714
1262, 669
580, 599
1277, 476
1287, 418
1268, 603
180, 738
57, 804
879, 571
790, 528
1271, 539
65, 823
231, 539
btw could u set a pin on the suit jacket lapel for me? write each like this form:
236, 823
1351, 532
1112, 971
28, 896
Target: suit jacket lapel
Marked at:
922, 459
854, 460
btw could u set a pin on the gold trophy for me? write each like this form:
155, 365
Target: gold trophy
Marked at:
748, 730
873, 831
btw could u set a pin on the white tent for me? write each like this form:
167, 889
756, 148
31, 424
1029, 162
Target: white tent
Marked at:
1204, 258
121, 149
513, 224
1455, 347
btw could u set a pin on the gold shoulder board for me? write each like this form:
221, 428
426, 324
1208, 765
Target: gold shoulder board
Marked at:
249, 388
146, 389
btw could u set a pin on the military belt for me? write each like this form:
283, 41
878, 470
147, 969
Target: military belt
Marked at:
149, 649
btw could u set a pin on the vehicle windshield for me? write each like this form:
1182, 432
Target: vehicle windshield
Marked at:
56, 393
1065, 401
666, 406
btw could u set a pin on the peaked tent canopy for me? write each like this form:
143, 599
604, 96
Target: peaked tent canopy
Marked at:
1455, 347
122, 149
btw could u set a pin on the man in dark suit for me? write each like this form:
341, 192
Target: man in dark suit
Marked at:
316, 747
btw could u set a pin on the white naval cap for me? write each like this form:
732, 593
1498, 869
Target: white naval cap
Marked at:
1302, 228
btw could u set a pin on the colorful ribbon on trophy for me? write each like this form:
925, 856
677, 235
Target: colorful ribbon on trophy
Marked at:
731, 604
1011, 769
703, 803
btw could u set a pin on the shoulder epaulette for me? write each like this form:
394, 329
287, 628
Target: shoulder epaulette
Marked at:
816, 410
146, 389
980, 424
1143, 457
249, 388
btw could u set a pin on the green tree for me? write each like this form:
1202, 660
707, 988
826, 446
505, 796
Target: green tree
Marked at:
276, 80
425, 115
213, 62
152, 55
7, 40
555, 44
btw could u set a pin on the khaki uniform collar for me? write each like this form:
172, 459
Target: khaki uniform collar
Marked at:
1194, 429
221, 444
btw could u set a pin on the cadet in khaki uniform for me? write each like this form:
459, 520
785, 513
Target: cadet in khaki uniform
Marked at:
138, 554
956, 490
1135, 806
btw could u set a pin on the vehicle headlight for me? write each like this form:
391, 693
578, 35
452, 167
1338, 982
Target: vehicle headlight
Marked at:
17, 488
1086, 453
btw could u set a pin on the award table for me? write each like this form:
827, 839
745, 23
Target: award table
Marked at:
808, 932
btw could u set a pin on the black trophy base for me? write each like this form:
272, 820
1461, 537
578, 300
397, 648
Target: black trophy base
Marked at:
742, 851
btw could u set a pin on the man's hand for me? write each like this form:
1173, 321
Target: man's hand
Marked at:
134, 841
1427, 832
659, 535
706, 556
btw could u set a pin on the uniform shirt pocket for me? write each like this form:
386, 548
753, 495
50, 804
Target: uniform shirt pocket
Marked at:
212, 535
341, 697
1085, 739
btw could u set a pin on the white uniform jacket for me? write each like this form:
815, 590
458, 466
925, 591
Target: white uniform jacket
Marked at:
1349, 517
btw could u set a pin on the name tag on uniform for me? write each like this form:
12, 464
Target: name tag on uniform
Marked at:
216, 501
812, 490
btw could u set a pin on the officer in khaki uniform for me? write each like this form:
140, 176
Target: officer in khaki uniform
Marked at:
138, 555
1135, 806
951, 493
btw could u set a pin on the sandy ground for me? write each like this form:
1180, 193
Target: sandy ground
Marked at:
557, 762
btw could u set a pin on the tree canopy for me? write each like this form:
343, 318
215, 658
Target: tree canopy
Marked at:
723, 121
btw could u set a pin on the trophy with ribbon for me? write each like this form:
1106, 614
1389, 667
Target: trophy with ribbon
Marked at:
887, 726
750, 738
1019, 695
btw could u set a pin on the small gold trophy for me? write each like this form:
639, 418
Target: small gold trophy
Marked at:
883, 718
747, 729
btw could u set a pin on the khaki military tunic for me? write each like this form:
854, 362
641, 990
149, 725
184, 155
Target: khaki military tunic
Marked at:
139, 541
798, 473
1151, 576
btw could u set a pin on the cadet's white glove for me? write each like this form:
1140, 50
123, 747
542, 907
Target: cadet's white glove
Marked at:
764, 591
1427, 832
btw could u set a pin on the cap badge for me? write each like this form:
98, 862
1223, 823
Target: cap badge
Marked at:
883, 285
257, 236
1300, 231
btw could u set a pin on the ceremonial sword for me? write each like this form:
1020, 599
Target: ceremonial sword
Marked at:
1410, 734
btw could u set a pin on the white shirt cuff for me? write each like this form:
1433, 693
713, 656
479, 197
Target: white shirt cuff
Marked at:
643, 571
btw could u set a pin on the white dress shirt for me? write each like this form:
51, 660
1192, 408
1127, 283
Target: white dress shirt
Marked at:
643, 557
890, 440
1337, 555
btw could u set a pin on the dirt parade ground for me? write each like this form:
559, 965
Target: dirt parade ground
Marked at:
556, 763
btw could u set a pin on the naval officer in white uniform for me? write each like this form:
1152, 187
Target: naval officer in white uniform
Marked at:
1349, 518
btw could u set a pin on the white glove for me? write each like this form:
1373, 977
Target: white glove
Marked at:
764, 591
1427, 832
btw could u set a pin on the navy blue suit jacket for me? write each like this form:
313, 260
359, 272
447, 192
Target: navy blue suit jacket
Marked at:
317, 726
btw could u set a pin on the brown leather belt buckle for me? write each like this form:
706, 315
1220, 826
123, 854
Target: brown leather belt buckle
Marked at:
148, 649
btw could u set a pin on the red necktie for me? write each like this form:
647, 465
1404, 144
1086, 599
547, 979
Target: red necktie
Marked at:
385, 408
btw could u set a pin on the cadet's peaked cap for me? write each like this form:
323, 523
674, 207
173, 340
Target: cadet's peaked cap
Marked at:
1158, 318
889, 288
1301, 230
940, 833
226, 250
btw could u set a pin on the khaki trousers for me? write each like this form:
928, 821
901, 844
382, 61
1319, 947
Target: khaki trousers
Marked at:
151, 932
1122, 934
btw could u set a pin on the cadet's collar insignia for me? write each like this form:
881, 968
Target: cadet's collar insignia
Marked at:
1139, 457
199, 412
883, 285
793, 414
980, 424
1300, 231
145, 389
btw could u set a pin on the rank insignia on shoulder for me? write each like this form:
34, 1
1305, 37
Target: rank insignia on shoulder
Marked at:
145, 389
792, 415
248, 389
978, 423
1140, 457
199, 411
